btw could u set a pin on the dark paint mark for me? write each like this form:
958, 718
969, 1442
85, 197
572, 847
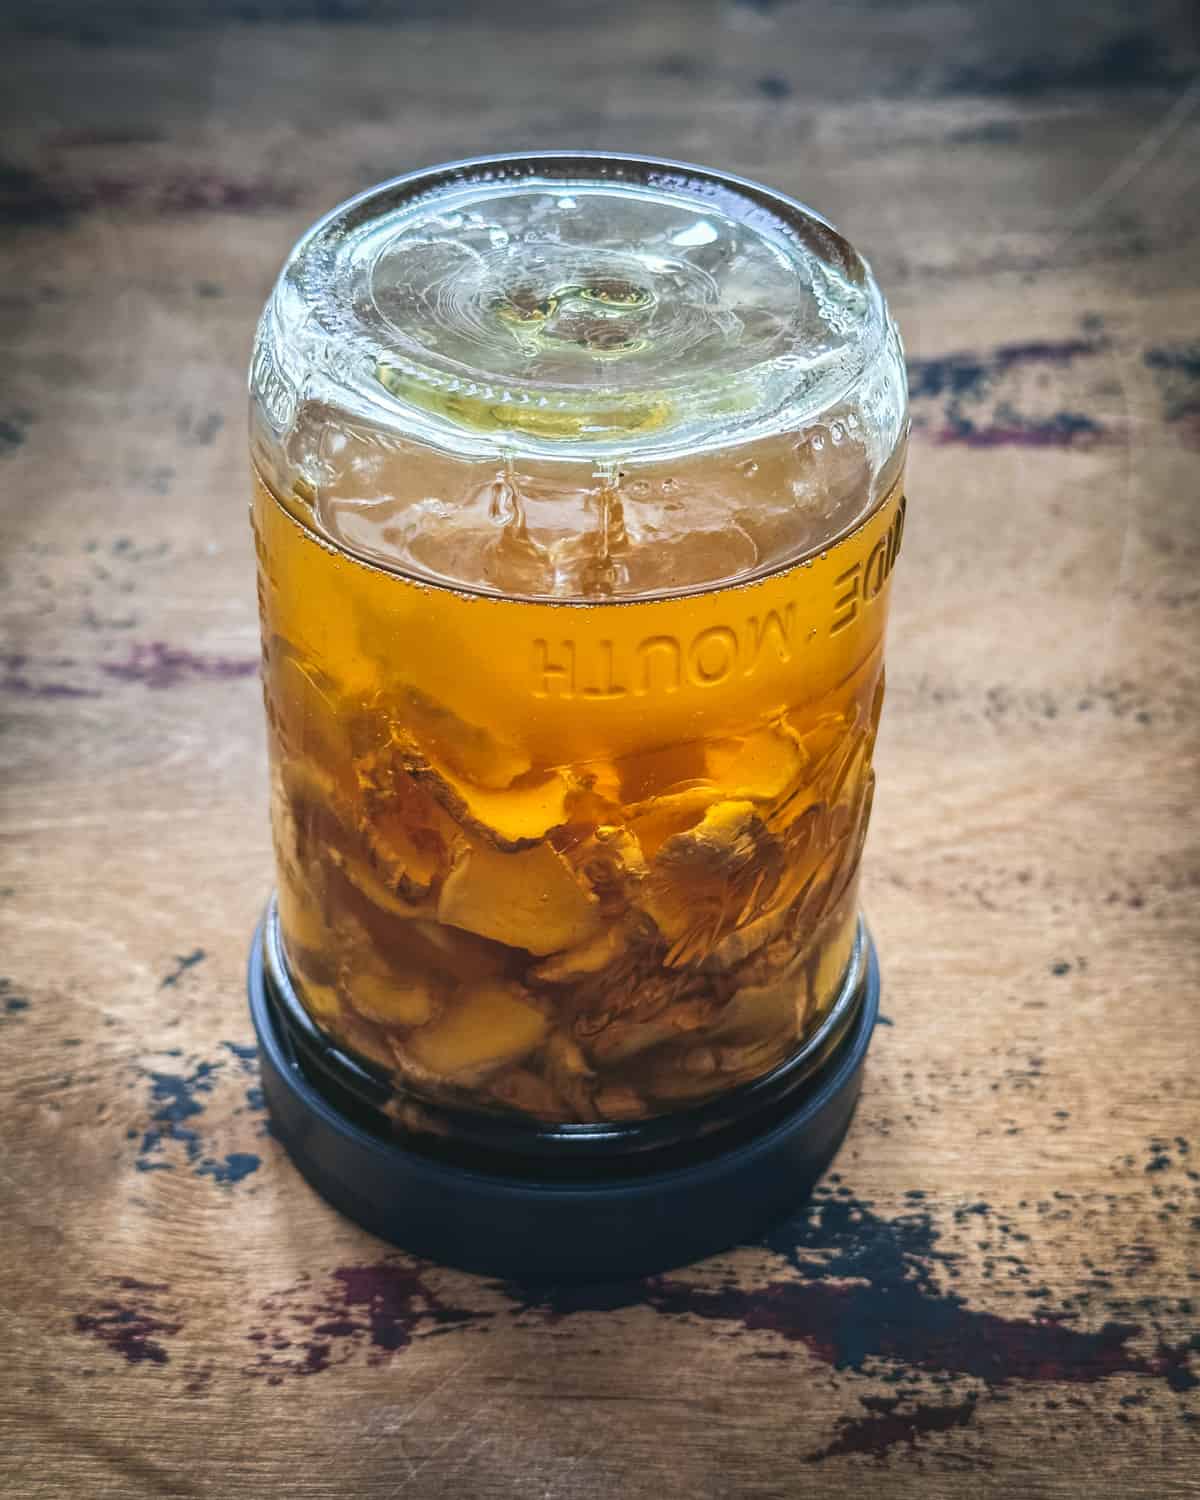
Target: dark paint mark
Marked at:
13, 1003
15, 682
138, 23
118, 135
235, 1167
131, 1326
181, 1099
178, 1097
772, 86
677, 65
15, 678
1177, 374
1061, 967
1182, 359
183, 962
381, 1308
1065, 429
1129, 61
970, 374
964, 386
30, 201
246, 1054
157, 665
990, 133
867, 1290
14, 425
876, 1434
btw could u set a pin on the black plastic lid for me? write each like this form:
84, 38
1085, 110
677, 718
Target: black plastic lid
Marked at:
470, 1208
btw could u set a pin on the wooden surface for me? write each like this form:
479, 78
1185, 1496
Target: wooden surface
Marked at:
997, 1290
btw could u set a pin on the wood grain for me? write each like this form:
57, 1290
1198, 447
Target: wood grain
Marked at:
995, 1291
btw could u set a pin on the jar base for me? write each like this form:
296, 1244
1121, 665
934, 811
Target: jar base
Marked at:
535, 1222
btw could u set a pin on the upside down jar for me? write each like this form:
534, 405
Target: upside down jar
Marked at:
577, 494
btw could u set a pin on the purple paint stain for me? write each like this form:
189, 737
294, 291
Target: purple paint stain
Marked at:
865, 1290
381, 1307
133, 1326
967, 374
848, 1326
1065, 429
157, 665
1177, 371
964, 384
18, 683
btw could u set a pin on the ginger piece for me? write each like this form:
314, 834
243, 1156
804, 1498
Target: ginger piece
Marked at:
307, 710
651, 774
360, 875
466, 749
758, 767
320, 1000
737, 946
517, 817
610, 859
531, 1094
655, 821
302, 920
318, 811
707, 881
834, 951
627, 1034
485, 1028
566, 1067
756, 1012
617, 1101
402, 999
589, 957
457, 954
528, 900
365, 1038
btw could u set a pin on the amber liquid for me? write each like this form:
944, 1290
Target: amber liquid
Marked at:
582, 862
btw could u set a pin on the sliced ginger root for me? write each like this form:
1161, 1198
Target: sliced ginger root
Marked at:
482, 1029
527, 900
706, 882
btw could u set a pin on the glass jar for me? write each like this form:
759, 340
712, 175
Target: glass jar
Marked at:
577, 493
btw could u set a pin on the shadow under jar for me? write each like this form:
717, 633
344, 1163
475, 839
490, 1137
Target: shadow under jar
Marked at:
577, 493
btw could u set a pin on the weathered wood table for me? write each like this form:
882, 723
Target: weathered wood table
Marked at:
996, 1290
